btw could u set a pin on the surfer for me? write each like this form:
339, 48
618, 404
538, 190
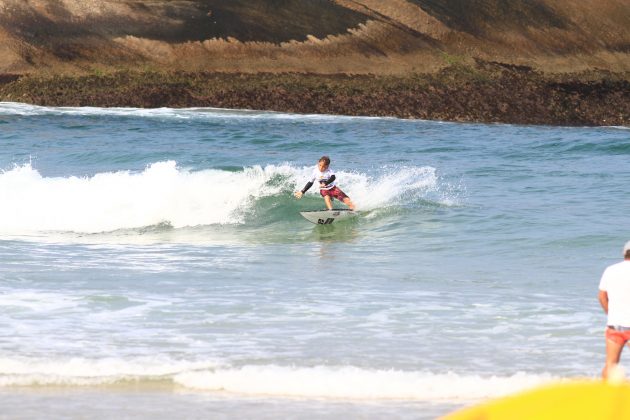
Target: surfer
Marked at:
614, 296
327, 187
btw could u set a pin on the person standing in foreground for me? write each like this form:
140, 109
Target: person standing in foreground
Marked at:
327, 187
614, 296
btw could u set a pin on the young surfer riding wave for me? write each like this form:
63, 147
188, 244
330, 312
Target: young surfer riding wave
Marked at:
327, 186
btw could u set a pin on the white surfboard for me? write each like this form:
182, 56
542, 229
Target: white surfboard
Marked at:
327, 217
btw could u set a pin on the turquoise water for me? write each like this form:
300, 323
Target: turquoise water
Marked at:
156, 261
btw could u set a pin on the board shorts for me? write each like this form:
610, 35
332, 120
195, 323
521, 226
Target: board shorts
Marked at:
619, 336
334, 192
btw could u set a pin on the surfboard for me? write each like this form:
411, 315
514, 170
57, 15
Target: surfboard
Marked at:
327, 217
579, 400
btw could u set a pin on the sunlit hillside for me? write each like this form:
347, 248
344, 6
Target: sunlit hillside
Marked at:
319, 36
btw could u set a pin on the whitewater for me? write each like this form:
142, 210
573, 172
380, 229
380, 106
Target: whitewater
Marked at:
153, 263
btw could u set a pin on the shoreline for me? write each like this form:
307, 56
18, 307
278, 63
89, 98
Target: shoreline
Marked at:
164, 404
484, 92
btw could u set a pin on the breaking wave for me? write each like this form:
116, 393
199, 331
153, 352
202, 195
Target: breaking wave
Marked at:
164, 194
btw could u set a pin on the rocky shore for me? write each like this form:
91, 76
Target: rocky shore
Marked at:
483, 92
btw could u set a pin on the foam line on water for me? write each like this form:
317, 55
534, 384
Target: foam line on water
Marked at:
357, 383
204, 113
86, 372
345, 382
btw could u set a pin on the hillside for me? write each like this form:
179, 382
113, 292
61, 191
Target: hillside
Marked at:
320, 36
514, 61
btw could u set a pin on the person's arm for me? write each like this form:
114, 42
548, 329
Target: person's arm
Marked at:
603, 300
308, 185
331, 179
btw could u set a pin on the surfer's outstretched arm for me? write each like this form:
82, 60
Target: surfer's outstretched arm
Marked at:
308, 185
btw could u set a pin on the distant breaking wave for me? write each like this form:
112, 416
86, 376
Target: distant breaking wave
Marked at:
164, 194
20, 109
345, 382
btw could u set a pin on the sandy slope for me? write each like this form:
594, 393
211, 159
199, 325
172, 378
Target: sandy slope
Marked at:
321, 36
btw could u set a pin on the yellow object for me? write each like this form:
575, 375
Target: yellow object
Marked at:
580, 400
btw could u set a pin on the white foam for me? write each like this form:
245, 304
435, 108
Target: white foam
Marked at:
347, 382
357, 383
37, 301
21, 109
204, 113
164, 194
86, 372
161, 194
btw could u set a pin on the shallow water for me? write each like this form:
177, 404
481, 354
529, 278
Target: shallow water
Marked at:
163, 248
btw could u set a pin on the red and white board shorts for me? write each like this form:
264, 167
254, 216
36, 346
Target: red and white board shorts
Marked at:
334, 192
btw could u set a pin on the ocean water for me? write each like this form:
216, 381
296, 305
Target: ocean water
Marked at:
153, 263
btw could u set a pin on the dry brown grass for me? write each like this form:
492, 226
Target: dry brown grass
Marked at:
400, 14
398, 36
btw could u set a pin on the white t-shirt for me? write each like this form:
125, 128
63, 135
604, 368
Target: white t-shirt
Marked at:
319, 176
616, 282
